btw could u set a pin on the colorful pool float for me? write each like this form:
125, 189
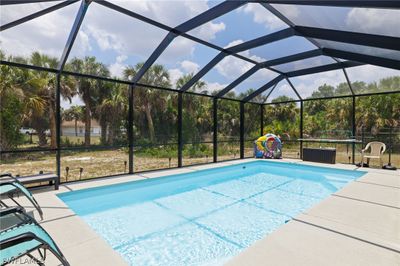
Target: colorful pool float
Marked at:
268, 146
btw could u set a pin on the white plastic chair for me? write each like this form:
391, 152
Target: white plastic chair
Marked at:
377, 150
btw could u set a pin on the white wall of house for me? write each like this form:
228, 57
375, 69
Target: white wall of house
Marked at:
70, 131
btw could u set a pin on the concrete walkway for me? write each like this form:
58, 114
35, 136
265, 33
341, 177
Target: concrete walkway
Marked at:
358, 225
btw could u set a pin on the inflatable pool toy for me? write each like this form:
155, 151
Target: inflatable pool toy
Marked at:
268, 146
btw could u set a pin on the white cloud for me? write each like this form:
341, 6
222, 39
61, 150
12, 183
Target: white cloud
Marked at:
378, 21
179, 48
9, 13
189, 66
174, 13
174, 75
208, 31
245, 53
118, 67
215, 86
283, 89
47, 34
111, 31
307, 84
232, 66
262, 16
363, 73
234, 43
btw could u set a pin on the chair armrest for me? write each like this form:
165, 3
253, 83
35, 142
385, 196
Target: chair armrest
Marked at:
16, 240
11, 210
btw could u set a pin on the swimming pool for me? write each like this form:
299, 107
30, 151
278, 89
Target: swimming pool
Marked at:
205, 217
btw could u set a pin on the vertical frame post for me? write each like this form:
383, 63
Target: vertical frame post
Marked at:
241, 130
261, 120
353, 123
180, 139
301, 128
215, 130
130, 129
58, 130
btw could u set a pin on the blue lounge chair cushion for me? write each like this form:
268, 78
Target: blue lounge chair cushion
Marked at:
4, 188
11, 186
7, 254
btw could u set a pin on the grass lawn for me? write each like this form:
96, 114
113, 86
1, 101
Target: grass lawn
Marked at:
113, 162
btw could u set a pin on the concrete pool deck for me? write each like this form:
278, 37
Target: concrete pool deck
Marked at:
357, 225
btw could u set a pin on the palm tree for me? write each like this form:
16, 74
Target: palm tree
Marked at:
87, 88
156, 75
200, 85
42, 86
11, 105
74, 113
113, 110
195, 110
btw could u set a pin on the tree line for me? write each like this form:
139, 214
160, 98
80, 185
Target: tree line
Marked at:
28, 99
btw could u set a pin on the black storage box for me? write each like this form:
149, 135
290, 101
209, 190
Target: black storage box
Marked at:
319, 155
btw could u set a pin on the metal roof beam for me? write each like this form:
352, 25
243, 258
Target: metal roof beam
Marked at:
294, 89
237, 81
73, 33
380, 41
263, 88
204, 17
341, 3
210, 14
367, 59
348, 81
203, 71
292, 58
167, 28
36, 14
270, 92
273, 37
324, 68
153, 57
17, 2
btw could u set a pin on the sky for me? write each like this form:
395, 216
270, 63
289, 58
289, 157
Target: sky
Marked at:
118, 40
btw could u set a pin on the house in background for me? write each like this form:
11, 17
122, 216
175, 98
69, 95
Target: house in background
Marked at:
72, 128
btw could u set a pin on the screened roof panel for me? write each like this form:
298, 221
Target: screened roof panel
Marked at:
10, 13
371, 79
47, 34
321, 85
246, 23
254, 82
183, 58
305, 63
364, 20
118, 41
169, 12
262, 97
281, 48
360, 49
112, 44
282, 92
226, 71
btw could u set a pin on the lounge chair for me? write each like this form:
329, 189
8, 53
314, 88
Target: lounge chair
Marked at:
377, 150
9, 186
24, 237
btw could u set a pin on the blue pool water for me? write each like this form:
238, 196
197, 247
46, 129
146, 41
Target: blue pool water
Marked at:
205, 217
